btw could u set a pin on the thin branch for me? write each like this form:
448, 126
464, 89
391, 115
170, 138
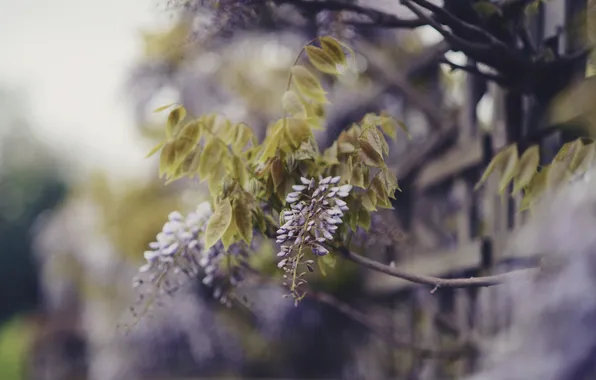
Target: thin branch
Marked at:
364, 320
377, 18
472, 282
388, 337
473, 69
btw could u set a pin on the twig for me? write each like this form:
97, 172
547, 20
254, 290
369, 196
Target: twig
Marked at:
364, 320
472, 282
377, 18
473, 69
389, 338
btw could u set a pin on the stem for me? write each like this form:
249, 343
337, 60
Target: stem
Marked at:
472, 282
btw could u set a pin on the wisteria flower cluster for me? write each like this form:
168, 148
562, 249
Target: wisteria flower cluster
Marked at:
178, 255
315, 212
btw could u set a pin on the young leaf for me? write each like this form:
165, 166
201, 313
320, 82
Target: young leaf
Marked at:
293, 105
163, 108
243, 219
332, 47
329, 260
558, 174
277, 172
174, 118
369, 200
308, 85
229, 237
583, 159
509, 167
370, 156
191, 132
210, 157
272, 142
357, 176
167, 159
218, 223
330, 154
321, 60
495, 164
526, 168
364, 218
297, 131
155, 149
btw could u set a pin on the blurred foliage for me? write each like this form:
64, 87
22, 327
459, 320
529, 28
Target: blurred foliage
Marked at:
15, 341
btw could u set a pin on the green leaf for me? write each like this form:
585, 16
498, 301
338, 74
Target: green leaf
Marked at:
333, 47
583, 159
496, 163
364, 218
370, 156
210, 157
293, 105
526, 168
297, 131
321, 60
243, 219
218, 223
509, 167
155, 149
163, 108
167, 159
329, 260
308, 85
486, 8
174, 118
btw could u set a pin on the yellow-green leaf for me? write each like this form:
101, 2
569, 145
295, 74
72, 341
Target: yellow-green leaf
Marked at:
272, 141
163, 108
155, 149
167, 159
330, 154
370, 156
308, 85
369, 200
364, 218
174, 119
332, 47
526, 168
239, 171
210, 156
583, 159
297, 131
321, 60
229, 237
218, 223
293, 105
191, 132
277, 172
509, 167
357, 176
243, 219
496, 163
558, 174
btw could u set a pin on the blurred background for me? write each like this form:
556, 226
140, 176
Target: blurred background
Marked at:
79, 203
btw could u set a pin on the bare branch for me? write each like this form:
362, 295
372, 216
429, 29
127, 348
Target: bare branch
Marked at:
473, 69
472, 282
377, 18
388, 337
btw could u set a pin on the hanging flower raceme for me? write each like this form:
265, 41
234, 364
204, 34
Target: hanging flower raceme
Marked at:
178, 255
315, 212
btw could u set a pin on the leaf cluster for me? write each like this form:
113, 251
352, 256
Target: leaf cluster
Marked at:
529, 177
249, 180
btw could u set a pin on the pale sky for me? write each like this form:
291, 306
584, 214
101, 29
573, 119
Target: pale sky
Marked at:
72, 58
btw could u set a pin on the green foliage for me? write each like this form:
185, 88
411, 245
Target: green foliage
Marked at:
243, 175
572, 160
